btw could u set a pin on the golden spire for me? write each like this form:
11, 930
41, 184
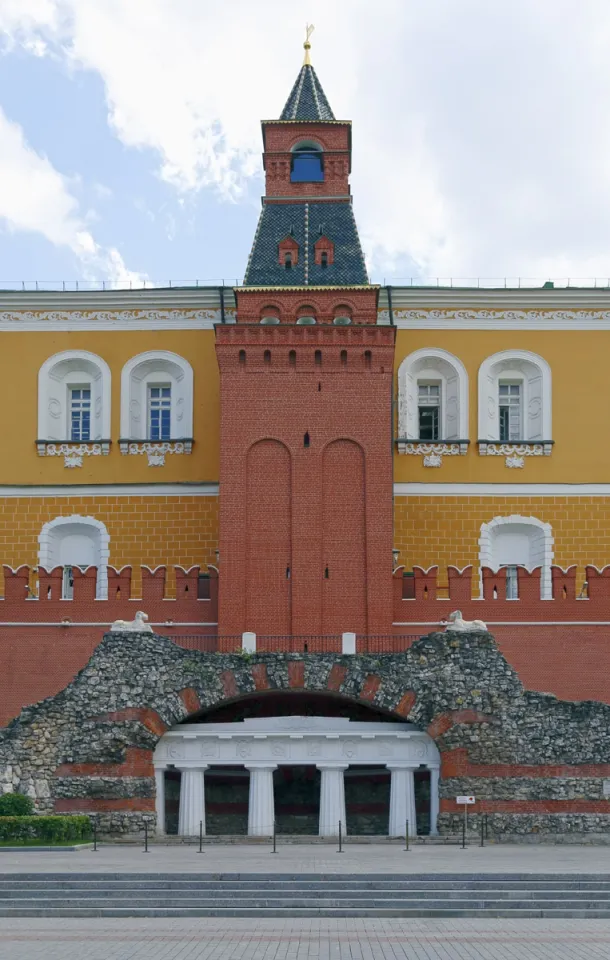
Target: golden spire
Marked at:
309, 28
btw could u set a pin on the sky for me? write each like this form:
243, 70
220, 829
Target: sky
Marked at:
130, 144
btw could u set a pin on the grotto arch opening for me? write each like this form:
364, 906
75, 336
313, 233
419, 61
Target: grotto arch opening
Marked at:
297, 762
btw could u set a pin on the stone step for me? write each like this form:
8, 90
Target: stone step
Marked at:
304, 895
185, 888
496, 911
57, 891
264, 901
370, 878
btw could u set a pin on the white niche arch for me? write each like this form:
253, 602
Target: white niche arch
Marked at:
151, 368
518, 541
56, 377
436, 365
76, 541
534, 374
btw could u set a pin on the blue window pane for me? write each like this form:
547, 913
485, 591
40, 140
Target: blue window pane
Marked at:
80, 414
159, 413
307, 168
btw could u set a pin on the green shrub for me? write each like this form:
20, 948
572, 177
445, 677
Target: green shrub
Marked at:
16, 805
75, 829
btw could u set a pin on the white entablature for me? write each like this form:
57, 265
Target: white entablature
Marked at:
296, 740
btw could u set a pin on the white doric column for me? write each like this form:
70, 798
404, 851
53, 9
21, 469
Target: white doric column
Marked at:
160, 799
332, 799
192, 800
434, 800
402, 801
261, 808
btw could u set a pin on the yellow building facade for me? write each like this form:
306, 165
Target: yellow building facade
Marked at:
112, 426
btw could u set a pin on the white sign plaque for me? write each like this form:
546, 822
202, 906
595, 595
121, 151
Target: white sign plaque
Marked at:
465, 800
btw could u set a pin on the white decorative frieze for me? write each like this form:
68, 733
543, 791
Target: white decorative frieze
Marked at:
273, 740
433, 453
515, 453
73, 453
63, 320
155, 451
509, 319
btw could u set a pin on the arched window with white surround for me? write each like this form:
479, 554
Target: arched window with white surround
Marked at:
515, 398
157, 398
432, 398
517, 541
74, 398
75, 541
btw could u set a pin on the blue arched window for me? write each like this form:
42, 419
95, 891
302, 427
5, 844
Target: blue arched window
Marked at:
307, 163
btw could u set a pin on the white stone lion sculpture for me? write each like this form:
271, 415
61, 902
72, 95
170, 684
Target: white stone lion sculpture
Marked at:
457, 624
137, 625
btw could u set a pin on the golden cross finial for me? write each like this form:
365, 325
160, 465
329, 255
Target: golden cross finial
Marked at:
309, 28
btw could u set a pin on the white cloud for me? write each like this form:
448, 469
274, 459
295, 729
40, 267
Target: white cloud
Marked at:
35, 197
481, 145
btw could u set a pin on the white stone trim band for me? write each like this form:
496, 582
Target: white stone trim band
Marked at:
501, 489
115, 490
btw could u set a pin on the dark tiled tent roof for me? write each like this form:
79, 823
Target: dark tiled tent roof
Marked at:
306, 222
307, 100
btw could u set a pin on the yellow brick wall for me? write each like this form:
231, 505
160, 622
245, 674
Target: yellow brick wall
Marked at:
445, 530
143, 530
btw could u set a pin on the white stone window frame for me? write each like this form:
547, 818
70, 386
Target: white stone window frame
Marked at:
534, 373
47, 540
544, 529
57, 375
154, 368
433, 365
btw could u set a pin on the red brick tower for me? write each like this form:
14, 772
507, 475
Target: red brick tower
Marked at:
306, 379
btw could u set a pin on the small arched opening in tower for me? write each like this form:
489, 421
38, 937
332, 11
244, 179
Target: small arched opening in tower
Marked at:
307, 163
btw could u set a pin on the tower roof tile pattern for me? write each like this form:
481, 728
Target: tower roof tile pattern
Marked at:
306, 222
307, 100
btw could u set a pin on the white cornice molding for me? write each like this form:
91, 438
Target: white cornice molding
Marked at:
502, 489
186, 308
114, 490
498, 319
61, 320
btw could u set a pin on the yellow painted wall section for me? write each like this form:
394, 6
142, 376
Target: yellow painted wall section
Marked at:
581, 389
143, 530
446, 530
23, 354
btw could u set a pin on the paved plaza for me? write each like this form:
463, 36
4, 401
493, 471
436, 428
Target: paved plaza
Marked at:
356, 858
242, 939
301, 939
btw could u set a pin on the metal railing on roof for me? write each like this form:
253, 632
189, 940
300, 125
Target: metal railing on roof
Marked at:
502, 283
87, 286
469, 283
